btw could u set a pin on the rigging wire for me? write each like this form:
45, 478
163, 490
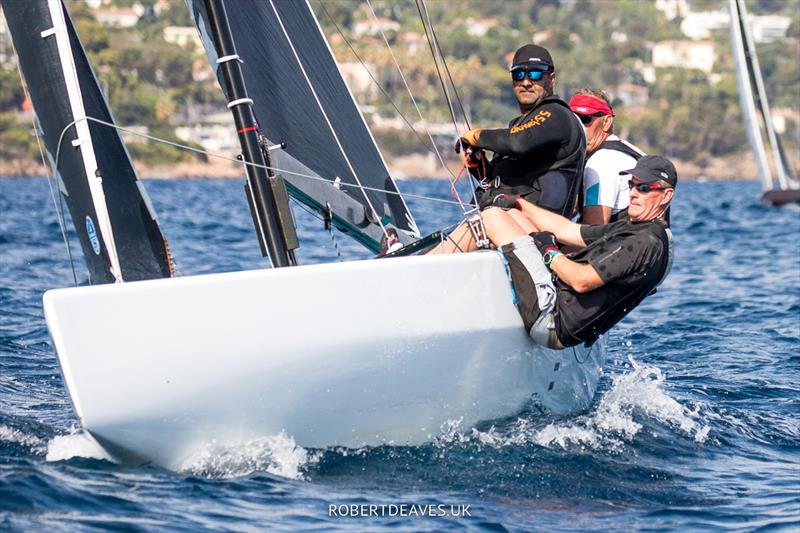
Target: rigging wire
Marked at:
435, 57
268, 167
327, 120
377, 83
452, 177
447, 70
52, 175
434, 47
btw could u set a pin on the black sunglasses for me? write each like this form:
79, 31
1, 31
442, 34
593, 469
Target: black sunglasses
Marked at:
647, 187
587, 119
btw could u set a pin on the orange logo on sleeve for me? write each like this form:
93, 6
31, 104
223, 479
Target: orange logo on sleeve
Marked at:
540, 118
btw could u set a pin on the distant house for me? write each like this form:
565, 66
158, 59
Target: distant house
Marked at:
786, 119
479, 27
358, 79
769, 28
766, 28
215, 138
631, 95
699, 25
374, 26
6, 50
673, 8
119, 17
684, 54
184, 36
415, 42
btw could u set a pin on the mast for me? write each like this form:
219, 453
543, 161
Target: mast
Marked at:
260, 187
746, 97
762, 95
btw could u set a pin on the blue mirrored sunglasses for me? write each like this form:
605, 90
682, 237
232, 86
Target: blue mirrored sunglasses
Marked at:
518, 74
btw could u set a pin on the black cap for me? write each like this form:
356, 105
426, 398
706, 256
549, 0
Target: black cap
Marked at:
533, 56
652, 168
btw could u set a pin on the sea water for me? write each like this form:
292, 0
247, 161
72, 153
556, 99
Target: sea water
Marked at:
695, 425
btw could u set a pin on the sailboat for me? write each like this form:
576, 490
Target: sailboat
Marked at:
359, 353
782, 187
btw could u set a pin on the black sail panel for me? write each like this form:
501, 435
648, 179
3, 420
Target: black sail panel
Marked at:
300, 99
140, 246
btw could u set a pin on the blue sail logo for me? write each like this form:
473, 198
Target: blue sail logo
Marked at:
92, 233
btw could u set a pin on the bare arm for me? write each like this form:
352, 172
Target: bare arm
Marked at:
596, 214
565, 230
580, 276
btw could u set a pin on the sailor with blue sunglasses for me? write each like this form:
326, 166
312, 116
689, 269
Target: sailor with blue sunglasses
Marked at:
540, 155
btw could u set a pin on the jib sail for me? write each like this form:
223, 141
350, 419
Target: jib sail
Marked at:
301, 100
115, 223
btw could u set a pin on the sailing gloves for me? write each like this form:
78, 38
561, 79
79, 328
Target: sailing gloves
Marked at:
547, 246
471, 137
503, 201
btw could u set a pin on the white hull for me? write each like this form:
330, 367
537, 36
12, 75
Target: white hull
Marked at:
349, 354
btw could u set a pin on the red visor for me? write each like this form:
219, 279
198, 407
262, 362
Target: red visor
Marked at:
586, 104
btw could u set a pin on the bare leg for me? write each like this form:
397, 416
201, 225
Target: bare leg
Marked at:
521, 219
501, 227
460, 240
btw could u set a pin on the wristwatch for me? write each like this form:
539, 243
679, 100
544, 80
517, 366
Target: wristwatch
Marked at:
549, 255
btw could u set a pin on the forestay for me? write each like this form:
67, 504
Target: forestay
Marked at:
113, 218
300, 99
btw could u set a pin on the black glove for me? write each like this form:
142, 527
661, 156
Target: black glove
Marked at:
547, 245
503, 201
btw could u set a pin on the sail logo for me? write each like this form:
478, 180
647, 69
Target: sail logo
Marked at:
92, 233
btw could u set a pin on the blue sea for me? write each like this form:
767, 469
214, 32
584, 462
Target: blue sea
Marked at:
696, 425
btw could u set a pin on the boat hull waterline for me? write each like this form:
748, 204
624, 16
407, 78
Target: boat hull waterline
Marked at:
349, 354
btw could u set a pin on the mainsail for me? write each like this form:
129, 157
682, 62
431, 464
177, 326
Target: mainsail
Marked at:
301, 101
110, 210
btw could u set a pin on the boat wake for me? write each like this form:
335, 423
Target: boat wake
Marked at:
638, 393
75, 444
278, 455
636, 401
17, 437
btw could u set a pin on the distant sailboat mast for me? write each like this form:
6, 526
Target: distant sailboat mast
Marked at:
746, 96
748, 75
762, 96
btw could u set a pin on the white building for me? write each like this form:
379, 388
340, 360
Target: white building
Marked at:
766, 28
119, 17
479, 27
699, 25
673, 8
215, 138
769, 27
684, 54
184, 36
358, 79
374, 26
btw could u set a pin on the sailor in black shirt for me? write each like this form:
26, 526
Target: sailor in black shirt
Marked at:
616, 267
539, 156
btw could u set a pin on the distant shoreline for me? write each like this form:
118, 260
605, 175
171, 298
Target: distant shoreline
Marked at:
735, 167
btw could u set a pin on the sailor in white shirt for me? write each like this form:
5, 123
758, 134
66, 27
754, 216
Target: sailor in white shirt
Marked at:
605, 193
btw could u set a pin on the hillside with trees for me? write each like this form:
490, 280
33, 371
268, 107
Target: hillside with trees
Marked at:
158, 85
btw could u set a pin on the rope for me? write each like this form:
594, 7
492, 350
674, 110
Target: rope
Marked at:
436, 61
267, 167
434, 47
447, 69
62, 223
327, 120
452, 178
377, 83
